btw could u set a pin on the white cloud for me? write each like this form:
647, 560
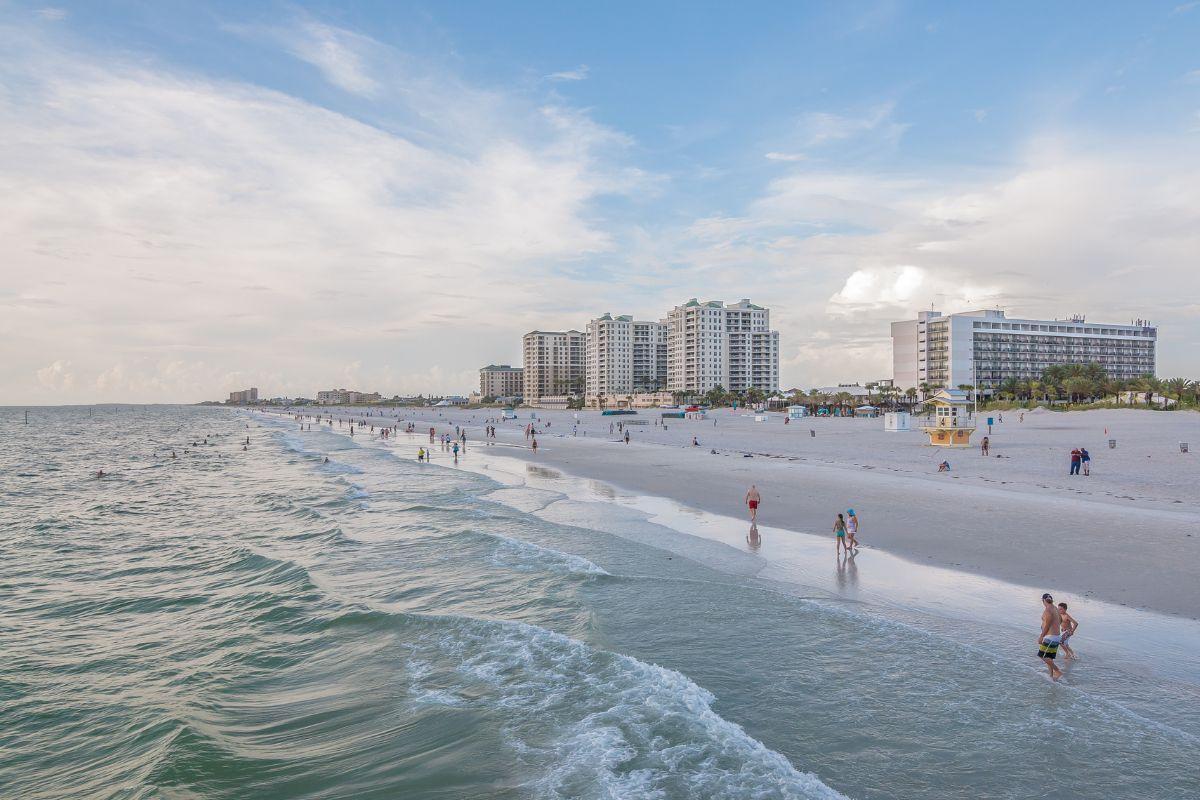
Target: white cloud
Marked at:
338, 54
822, 127
837, 255
52, 14
57, 376
774, 156
980, 114
175, 237
580, 73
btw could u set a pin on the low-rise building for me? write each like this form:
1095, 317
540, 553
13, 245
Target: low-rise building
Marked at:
345, 397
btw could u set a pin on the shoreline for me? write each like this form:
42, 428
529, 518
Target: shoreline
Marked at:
1067, 543
800, 564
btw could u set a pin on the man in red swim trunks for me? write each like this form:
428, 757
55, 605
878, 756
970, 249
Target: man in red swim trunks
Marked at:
753, 498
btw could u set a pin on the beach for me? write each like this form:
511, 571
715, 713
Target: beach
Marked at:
1128, 534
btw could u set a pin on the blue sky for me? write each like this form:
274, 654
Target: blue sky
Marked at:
201, 196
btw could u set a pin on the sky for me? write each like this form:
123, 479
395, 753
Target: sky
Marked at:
200, 197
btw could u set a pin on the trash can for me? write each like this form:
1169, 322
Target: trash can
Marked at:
1183, 447
1112, 444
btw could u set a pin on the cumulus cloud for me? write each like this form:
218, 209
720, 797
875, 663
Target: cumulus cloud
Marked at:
57, 376
1112, 232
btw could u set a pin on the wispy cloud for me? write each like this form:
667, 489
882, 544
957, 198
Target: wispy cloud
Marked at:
580, 73
339, 55
774, 156
822, 127
51, 14
213, 186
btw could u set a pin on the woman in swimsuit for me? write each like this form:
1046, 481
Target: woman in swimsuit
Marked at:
839, 531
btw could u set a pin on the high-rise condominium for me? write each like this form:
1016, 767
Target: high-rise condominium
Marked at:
712, 344
553, 364
625, 356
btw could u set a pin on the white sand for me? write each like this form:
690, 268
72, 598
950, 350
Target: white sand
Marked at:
1129, 533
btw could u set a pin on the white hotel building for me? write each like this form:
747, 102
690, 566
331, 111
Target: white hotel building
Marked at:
985, 348
624, 356
712, 344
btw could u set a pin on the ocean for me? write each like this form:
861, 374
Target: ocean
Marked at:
253, 621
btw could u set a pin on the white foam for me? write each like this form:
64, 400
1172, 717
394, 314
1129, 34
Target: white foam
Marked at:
536, 555
589, 723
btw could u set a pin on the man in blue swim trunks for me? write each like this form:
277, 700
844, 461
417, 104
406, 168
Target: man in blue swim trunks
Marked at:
1051, 636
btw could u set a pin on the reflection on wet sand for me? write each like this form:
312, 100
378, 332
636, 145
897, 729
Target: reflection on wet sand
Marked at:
603, 489
543, 472
753, 539
847, 571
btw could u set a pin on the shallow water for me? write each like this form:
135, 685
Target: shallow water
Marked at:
257, 623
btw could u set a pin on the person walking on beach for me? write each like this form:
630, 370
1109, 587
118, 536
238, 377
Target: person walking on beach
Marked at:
420, 454
1050, 636
455, 449
1076, 458
839, 533
1085, 459
851, 530
983, 447
626, 437
753, 498
1069, 626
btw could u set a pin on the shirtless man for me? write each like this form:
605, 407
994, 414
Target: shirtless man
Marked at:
753, 498
1051, 636
1070, 625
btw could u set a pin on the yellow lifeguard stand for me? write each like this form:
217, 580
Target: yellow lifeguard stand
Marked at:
952, 422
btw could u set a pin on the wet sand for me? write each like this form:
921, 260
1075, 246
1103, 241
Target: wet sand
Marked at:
1129, 534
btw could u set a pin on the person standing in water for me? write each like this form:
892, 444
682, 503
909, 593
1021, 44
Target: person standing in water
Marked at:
753, 498
1069, 626
1050, 637
839, 533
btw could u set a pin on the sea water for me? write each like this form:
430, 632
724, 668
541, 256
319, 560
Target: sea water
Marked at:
261, 623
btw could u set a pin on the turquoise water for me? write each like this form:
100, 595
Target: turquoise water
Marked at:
258, 623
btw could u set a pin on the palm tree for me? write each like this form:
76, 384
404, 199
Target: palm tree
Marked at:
911, 394
1148, 385
1178, 388
924, 390
843, 400
1077, 386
